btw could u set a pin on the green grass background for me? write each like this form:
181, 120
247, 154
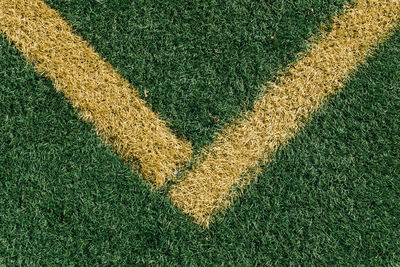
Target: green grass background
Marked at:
331, 198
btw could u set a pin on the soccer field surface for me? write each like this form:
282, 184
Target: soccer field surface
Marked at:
185, 133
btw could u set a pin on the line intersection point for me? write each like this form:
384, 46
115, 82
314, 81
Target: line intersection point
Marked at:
123, 120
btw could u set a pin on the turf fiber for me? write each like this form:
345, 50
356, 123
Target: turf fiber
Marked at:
330, 198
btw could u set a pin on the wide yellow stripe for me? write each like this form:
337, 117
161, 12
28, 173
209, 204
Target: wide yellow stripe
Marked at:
92, 86
283, 109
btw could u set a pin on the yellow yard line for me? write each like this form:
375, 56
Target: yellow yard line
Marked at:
97, 91
283, 109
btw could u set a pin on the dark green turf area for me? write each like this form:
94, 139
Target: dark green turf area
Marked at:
331, 198
201, 62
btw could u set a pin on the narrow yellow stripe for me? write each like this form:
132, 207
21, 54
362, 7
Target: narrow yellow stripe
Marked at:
283, 109
98, 92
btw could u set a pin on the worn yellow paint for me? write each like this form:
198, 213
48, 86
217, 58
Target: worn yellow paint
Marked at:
98, 92
233, 160
105, 99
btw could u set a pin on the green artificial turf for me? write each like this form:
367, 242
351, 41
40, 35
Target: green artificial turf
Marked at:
201, 62
331, 198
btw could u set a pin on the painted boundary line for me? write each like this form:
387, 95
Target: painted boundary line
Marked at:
108, 101
233, 160
97, 91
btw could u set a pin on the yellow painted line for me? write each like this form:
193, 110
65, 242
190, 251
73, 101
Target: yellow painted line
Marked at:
97, 91
233, 159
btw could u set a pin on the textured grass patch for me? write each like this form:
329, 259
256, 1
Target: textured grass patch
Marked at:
331, 198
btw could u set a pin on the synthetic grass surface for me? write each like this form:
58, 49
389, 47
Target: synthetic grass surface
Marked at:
200, 63
330, 198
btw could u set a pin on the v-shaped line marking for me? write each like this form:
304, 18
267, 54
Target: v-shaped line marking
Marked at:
108, 101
